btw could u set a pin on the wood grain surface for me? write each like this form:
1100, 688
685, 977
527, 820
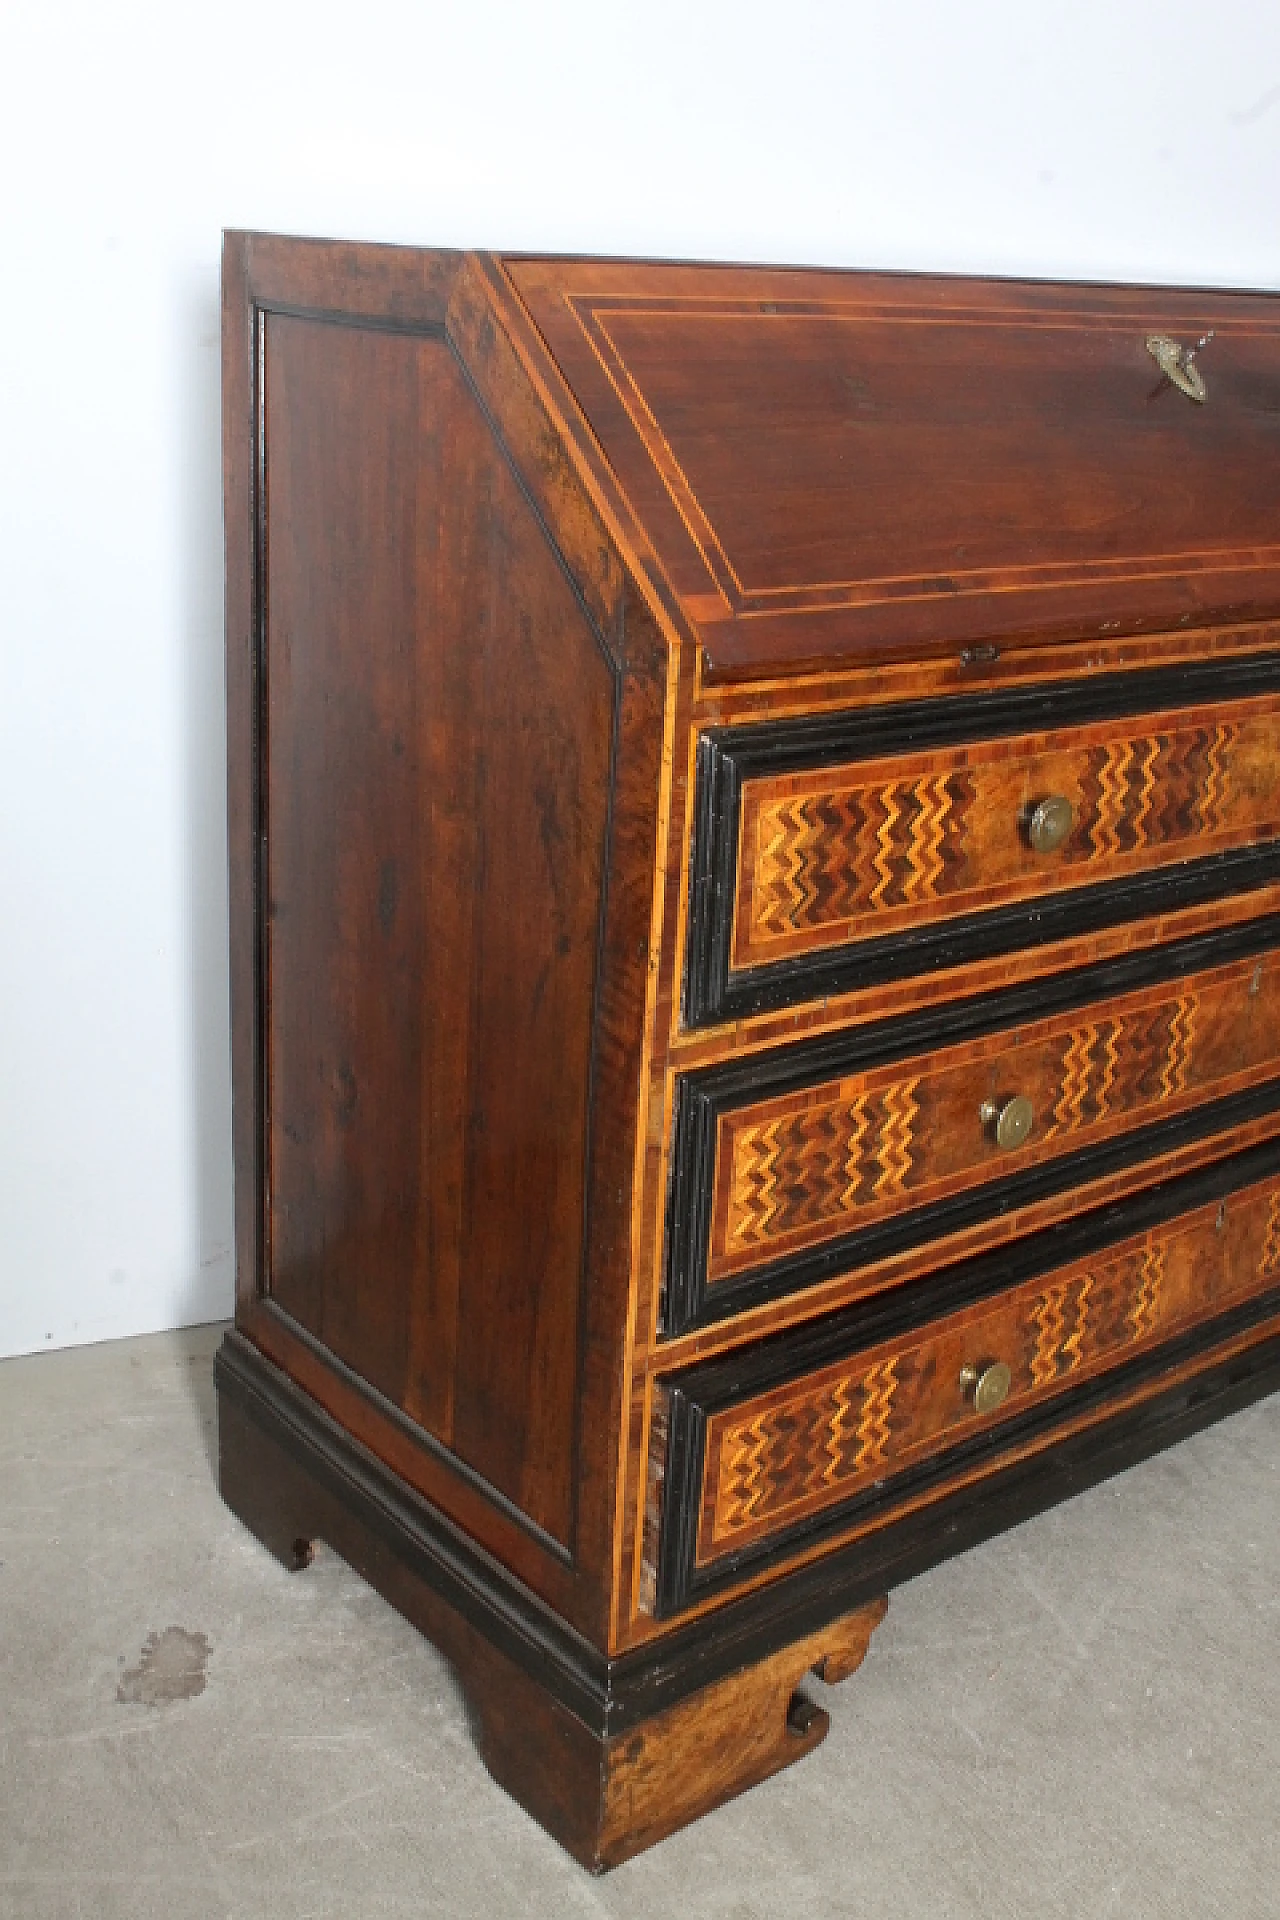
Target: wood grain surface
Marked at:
831, 856
831, 465
793, 1170
444, 759
640, 679
814, 1442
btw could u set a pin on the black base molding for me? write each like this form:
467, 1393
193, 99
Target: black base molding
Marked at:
608, 1757
611, 1755
366, 1512
424, 1565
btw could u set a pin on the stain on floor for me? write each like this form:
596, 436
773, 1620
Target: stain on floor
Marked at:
173, 1667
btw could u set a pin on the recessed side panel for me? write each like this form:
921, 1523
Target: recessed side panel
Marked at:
437, 722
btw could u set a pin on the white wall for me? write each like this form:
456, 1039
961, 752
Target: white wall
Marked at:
1101, 138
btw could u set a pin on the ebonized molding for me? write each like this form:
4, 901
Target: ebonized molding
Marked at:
728, 757
704, 1097
609, 1696
699, 1392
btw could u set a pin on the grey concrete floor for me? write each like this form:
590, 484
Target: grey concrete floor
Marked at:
1081, 1719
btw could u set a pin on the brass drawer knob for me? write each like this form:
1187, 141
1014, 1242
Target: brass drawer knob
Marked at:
1049, 822
1008, 1121
986, 1384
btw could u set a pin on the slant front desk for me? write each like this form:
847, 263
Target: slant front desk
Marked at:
756, 914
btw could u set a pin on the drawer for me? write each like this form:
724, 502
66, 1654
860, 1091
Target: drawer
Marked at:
846, 850
833, 1425
828, 1156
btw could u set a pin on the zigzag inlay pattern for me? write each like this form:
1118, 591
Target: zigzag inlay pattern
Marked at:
1270, 1261
816, 1446
818, 1164
874, 1431
1115, 1065
1180, 1045
1091, 1314
1059, 1323
1088, 1074
1163, 787
1145, 1311
823, 858
829, 857
813, 1444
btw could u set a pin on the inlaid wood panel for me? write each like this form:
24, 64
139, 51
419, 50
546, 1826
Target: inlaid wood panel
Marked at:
843, 850
794, 1170
815, 1442
832, 855
831, 466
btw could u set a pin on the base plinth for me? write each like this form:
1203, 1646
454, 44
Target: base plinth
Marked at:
605, 1780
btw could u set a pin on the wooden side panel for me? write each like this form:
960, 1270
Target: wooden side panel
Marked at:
439, 728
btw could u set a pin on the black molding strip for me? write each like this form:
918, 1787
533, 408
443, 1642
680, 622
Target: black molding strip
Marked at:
611, 1696
729, 756
727, 1380
476, 1585
868, 733
704, 1097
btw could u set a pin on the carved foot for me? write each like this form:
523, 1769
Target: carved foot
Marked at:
270, 1492
543, 1700
658, 1777
730, 1737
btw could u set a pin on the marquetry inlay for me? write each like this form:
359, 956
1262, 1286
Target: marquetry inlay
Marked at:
835, 855
821, 1163
801, 1167
801, 1449
830, 856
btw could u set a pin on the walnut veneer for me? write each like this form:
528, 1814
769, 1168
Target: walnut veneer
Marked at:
756, 955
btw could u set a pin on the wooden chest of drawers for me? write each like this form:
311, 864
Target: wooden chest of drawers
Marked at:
756, 954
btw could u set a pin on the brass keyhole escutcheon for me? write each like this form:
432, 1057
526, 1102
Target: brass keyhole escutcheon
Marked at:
985, 1384
1049, 822
1177, 364
1008, 1121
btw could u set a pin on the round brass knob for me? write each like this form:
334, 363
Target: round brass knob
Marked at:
986, 1384
1010, 1121
1049, 822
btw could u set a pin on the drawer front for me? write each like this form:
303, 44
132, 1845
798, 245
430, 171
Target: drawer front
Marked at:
770, 1457
873, 850
826, 858
781, 1159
